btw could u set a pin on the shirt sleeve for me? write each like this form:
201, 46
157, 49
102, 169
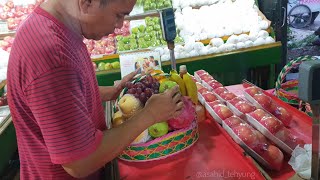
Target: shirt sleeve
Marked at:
58, 104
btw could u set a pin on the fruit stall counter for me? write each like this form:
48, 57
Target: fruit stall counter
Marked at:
214, 156
257, 64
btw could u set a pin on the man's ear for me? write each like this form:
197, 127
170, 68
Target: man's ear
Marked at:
84, 5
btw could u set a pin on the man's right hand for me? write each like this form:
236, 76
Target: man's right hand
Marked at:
164, 106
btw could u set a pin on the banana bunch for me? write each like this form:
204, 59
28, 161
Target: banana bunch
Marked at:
187, 86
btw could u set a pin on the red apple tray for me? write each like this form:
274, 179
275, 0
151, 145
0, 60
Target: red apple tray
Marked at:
163, 147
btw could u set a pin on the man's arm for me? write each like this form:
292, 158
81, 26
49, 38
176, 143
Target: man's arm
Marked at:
158, 108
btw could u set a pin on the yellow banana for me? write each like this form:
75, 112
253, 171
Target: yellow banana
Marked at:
191, 88
174, 76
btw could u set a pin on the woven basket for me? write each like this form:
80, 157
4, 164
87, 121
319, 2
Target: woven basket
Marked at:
160, 148
288, 91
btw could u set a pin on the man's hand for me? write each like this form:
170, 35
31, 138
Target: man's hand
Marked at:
108, 93
162, 107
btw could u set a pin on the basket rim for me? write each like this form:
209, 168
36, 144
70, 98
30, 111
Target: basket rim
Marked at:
167, 136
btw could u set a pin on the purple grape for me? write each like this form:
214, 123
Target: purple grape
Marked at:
129, 85
132, 91
139, 85
136, 95
138, 90
148, 92
156, 91
143, 98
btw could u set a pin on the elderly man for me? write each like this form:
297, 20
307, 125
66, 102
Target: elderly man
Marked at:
54, 97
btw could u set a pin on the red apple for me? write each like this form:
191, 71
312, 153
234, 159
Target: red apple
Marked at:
253, 90
263, 100
273, 107
110, 50
272, 124
220, 90
283, 134
206, 77
12, 26
259, 114
10, 4
23, 17
209, 97
4, 44
227, 96
215, 85
3, 16
235, 100
18, 8
9, 49
245, 133
283, 115
245, 107
271, 154
222, 111
233, 121
293, 141
19, 13
6, 9
203, 91
199, 86
215, 103
200, 72
10, 15
95, 52
261, 138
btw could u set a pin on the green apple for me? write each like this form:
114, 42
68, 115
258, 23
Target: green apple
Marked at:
153, 6
160, 5
116, 65
157, 27
153, 34
150, 23
157, 43
148, 19
133, 46
133, 36
147, 37
149, 29
166, 85
140, 35
127, 47
156, 20
142, 28
125, 40
135, 30
101, 66
119, 38
158, 129
108, 66
143, 45
167, 4
120, 47
141, 40
178, 40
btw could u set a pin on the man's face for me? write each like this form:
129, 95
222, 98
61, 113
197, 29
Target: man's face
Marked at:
100, 20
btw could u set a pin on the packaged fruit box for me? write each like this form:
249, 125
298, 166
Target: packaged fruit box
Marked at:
164, 139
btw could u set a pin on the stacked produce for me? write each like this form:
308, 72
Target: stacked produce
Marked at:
247, 123
155, 4
106, 45
15, 14
6, 44
239, 17
137, 93
105, 66
217, 45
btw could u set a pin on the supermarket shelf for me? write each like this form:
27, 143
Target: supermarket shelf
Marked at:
153, 13
11, 33
198, 58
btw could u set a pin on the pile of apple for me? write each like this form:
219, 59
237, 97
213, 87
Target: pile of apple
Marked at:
6, 44
106, 45
155, 4
15, 14
105, 66
240, 129
142, 36
135, 96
